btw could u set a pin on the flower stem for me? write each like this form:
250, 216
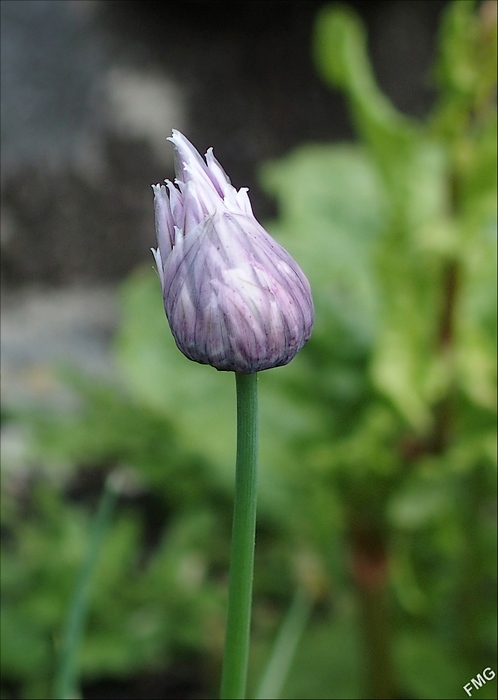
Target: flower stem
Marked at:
235, 661
66, 680
284, 648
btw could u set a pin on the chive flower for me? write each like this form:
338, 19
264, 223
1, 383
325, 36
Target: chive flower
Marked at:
234, 298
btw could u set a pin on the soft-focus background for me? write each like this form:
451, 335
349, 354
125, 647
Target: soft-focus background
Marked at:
366, 132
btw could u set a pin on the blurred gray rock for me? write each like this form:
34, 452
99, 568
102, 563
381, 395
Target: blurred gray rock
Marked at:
44, 331
52, 66
83, 137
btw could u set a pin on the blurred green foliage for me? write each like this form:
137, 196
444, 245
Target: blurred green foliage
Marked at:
378, 442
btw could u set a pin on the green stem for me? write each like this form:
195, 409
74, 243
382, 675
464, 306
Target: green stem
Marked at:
66, 680
284, 649
235, 661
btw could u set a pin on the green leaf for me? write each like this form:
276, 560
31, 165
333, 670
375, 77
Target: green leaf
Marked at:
409, 161
332, 208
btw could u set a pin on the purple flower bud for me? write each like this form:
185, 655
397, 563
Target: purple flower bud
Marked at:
234, 298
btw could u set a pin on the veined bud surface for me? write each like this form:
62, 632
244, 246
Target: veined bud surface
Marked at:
234, 298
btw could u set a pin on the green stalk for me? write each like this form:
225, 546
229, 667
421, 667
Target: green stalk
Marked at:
235, 661
66, 680
284, 649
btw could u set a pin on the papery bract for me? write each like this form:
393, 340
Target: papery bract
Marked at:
234, 298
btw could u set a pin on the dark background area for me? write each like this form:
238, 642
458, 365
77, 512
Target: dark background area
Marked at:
76, 205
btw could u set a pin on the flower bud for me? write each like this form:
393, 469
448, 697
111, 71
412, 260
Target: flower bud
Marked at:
234, 298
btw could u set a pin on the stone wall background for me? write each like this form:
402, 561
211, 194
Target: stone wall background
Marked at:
90, 90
